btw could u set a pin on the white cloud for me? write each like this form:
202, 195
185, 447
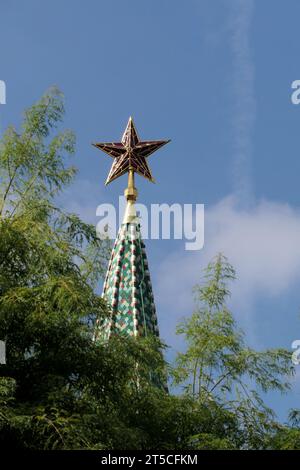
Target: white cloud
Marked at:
262, 243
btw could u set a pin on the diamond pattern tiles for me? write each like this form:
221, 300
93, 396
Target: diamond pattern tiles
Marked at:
128, 288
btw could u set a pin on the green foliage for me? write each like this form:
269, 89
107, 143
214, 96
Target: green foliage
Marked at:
31, 163
218, 366
286, 437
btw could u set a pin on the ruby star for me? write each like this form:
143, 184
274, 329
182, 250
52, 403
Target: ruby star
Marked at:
130, 153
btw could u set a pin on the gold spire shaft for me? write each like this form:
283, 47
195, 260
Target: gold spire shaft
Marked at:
131, 196
131, 191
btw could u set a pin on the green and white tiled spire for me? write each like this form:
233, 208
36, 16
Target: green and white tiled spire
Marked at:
127, 287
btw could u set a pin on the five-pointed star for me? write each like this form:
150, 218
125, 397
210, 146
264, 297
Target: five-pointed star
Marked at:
130, 153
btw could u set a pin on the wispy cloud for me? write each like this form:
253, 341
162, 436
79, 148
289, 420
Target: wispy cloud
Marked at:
240, 15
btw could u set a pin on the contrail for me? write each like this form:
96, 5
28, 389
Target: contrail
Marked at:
244, 108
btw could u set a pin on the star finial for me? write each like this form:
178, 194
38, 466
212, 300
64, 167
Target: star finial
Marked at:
130, 154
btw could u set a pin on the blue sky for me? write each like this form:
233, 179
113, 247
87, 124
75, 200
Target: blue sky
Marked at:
214, 76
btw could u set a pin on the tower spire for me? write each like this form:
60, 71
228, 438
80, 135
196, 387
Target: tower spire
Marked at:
127, 287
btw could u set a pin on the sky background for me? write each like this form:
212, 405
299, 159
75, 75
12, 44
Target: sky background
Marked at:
215, 77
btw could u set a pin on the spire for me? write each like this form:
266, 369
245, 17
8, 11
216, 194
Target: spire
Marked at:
127, 287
